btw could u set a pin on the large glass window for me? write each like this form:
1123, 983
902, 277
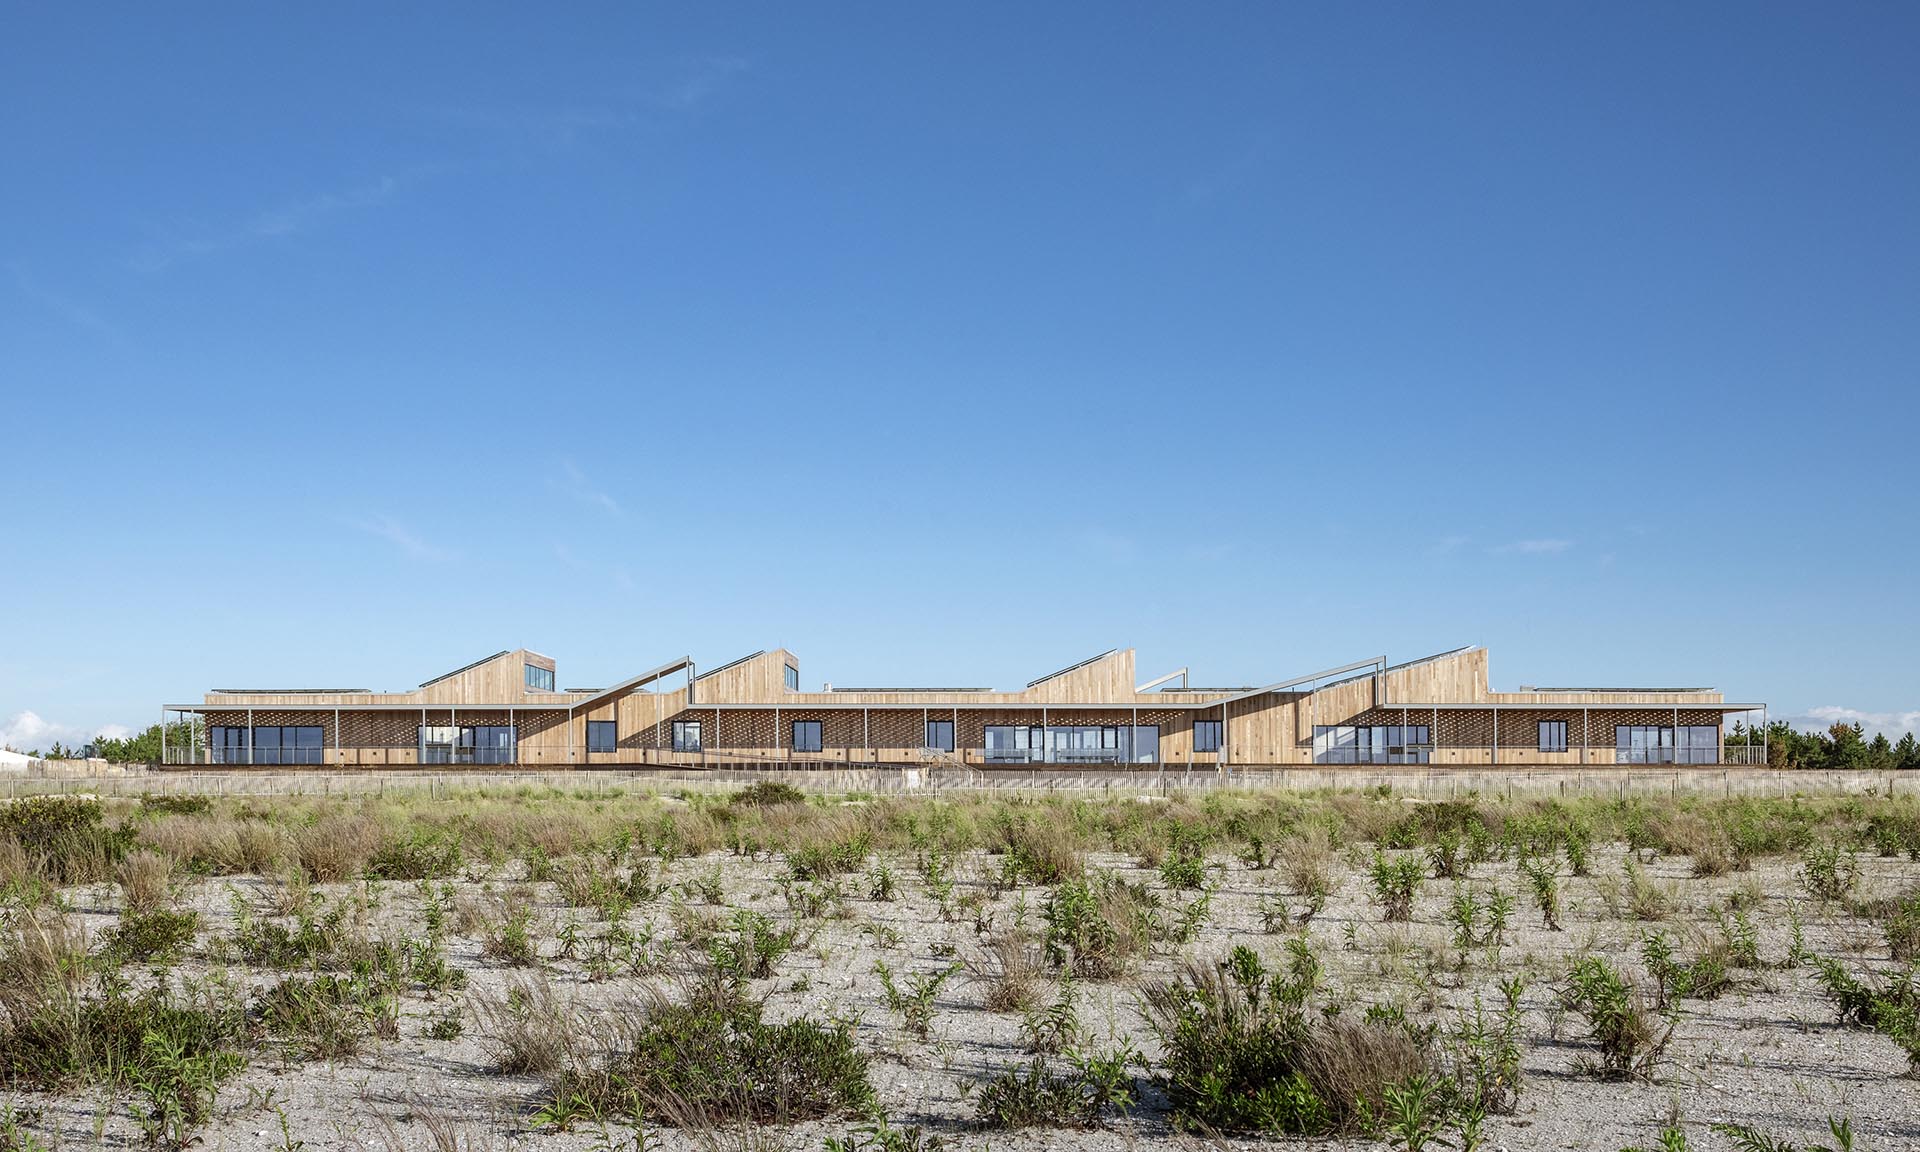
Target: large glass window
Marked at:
940, 735
1072, 744
227, 745
1206, 735
486, 744
288, 745
539, 679
1655, 744
1553, 735
603, 735
686, 736
793, 678
806, 735
467, 744
1371, 744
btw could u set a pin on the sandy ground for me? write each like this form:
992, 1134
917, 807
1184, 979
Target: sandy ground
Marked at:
1767, 1053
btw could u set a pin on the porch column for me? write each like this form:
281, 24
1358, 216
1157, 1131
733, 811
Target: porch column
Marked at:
1496, 734
249, 737
866, 733
1586, 733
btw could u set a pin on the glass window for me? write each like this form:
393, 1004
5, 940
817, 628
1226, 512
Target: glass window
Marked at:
686, 736
486, 744
1371, 744
1011, 743
793, 678
1146, 744
603, 735
436, 744
1206, 735
1553, 735
539, 679
806, 735
940, 735
227, 745
1644, 744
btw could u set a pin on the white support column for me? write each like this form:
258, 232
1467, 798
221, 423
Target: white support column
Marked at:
249, 737
656, 735
193, 742
1226, 755
1586, 732
1496, 734
1676, 734
866, 733
420, 740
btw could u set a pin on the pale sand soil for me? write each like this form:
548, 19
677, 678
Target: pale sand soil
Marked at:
1768, 1053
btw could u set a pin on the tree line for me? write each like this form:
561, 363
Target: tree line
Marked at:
1841, 747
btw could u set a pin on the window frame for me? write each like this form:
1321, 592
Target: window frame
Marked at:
819, 736
682, 729
544, 682
791, 677
931, 738
1216, 730
612, 744
1545, 742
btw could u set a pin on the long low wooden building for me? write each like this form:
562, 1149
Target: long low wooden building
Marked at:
506, 710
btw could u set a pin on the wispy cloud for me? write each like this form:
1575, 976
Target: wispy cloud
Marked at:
28, 731
275, 221
401, 537
579, 486
65, 307
1549, 547
700, 78
1893, 724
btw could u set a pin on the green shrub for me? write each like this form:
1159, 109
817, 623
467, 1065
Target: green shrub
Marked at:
831, 857
1099, 925
766, 794
751, 948
713, 1060
1629, 1034
1240, 1057
66, 835
144, 935
424, 854
1395, 884
1032, 1095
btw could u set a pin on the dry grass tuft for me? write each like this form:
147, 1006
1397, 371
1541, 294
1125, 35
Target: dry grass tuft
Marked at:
1014, 969
145, 879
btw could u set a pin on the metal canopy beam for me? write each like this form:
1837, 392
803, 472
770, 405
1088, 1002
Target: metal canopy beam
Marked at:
1379, 663
626, 686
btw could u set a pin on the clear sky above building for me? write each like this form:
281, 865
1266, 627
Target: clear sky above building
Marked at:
342, 345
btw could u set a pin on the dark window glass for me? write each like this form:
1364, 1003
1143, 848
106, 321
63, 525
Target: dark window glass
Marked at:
1146, 744
486, 744
602, 735
940, 735
686, 735
539, 679
1553, 735
1206, 735
806, 735
793, 678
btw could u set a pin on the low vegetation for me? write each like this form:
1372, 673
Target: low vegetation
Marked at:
748, 961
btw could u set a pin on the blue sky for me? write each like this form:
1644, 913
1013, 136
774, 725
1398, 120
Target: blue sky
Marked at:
343, 345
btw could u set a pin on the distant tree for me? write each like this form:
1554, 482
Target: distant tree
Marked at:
144, 747
1906, 754
1879, 752
1846, 746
